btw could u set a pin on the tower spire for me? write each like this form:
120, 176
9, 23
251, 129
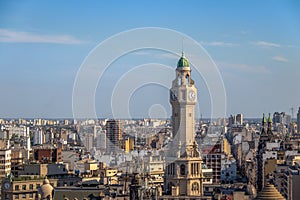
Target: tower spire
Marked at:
269, 131
269, 119
264, 121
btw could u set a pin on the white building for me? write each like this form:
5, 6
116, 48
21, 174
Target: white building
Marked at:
5, 162
88, 141
298, 121
101, 140
38, 137
19, 131
207, 175
28, 143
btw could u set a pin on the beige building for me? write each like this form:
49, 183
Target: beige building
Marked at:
292, 182
17, 161
29, 186
91, 167
109, 175
5, 162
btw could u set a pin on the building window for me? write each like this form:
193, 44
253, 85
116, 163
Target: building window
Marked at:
23, 187
182, 169
179, 80
187, 81
195, 187
31, 186
17, 187
23, 196
30, 195
16, 196
37, 186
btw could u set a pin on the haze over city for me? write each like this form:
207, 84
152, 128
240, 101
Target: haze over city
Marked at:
255, 45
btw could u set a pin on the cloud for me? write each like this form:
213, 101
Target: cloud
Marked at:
168, 56
265, 44
280, 59
219, 44
9, 36
154, 54
140, 53
244, 32
243, 67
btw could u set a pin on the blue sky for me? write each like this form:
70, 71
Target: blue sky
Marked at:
255, 45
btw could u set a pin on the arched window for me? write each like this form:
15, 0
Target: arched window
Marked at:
179, 80
187, 79
182, 169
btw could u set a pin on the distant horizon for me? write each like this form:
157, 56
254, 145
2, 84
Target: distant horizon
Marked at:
61, 118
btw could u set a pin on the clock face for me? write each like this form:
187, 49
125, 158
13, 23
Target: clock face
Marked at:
6, 185
192, 95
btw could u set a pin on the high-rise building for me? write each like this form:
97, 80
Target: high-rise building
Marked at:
183, 176
298, 121
239, 119
278, 117
291, 182
88, 141
100, 136
231, 120
28, 143
113, 135
38, 137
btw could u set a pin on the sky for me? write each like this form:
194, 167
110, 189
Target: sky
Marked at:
43, 45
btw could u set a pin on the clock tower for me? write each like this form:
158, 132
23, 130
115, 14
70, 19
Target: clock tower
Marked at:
183, 173
183, 98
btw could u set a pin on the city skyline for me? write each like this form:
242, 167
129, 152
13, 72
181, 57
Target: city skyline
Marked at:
254, 45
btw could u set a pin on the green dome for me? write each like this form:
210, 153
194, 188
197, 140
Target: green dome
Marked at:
183, 62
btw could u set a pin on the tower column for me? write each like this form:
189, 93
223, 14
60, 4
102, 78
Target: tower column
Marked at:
183, 98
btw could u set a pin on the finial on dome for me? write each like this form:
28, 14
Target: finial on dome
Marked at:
183, 62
